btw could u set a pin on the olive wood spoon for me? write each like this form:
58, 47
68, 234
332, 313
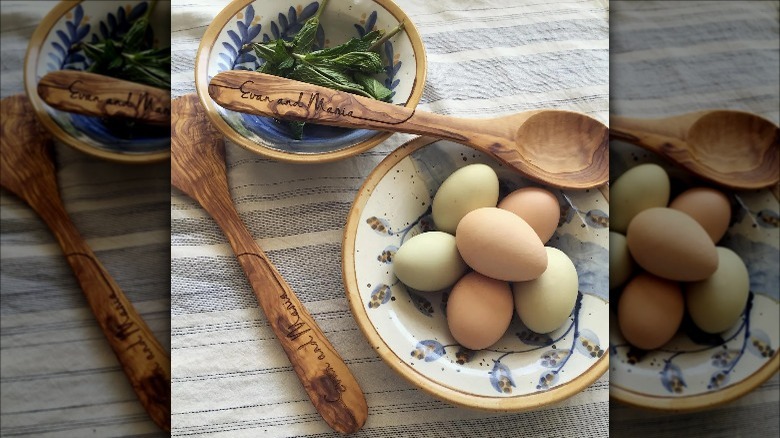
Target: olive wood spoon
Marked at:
26, 169
103, 96
198, 170
732, 148
561, 148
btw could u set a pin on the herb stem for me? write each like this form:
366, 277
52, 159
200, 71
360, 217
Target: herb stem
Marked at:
386, 37
320, 9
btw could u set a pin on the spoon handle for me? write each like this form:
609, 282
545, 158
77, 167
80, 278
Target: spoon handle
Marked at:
103, 96
141, 356
330, 385
273, 96
658, 135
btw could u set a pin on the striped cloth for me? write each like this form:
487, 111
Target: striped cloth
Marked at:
231, 377
59, 376
673, 57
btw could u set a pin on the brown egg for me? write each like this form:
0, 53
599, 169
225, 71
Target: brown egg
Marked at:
709, 207
479, 310
538, 207
670, 244
499, 244
650, 311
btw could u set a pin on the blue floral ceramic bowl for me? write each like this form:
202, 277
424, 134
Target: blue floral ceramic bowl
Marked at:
52, 48
695, 370
409, 330
245, 21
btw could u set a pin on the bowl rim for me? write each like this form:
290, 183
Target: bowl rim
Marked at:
696, 402
31, 89
201, 86
411, 374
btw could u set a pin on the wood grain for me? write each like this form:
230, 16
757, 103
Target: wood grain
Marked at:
731, 148
97, 95
198, 169
560, 148
28, 172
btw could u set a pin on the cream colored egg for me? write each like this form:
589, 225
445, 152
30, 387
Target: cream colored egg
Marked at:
479, 310
536, 206
466, 189
429, 261
670, 244
716, 303
709, 207
641, 187
621, 265
544, 304
501, 245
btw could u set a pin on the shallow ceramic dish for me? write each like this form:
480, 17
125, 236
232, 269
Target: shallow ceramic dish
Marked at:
524, 370
694, 370
245, 21
72, 22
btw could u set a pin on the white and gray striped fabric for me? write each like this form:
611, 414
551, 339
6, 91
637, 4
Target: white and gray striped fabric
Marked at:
669, 58
231, 378
59, 376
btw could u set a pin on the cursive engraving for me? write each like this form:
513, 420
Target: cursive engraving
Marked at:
335, 382
315, 101
139, 103
299, 328
124, 327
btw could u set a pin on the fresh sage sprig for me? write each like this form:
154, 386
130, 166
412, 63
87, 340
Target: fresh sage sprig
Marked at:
347, 67
132, 57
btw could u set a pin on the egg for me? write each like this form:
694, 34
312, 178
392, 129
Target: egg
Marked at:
670, 244
709, 207
641, 187
650, 311
479, 310
501, 245
466, 189
716, 303
538, 207
545, 303
621, 265
429, 261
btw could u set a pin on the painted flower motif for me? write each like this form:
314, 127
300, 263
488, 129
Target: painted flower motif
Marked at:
672, 378
547, 380
553, 358
759, 344
428, 350
725, 359
380, 225
591, 262
380, 295
501, 378
588, 344
768, 219
719, 379
533, 338
387, 254
597, 219
421, 303
463, 355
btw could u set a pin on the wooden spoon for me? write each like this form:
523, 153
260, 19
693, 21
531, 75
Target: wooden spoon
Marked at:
560, 148
27, 171
97, 95
732, 148
198, 169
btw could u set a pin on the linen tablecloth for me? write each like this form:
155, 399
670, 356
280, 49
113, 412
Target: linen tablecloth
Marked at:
668, 58
231, 377
59, 376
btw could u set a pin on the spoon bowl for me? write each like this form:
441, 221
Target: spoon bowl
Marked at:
732, 148
563, 149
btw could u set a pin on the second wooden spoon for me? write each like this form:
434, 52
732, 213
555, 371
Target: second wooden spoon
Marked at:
561, 148
198, 169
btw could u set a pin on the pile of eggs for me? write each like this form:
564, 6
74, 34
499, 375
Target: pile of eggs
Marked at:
493, 256
674, 244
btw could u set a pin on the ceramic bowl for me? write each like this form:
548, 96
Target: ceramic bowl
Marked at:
244, 21
695, 370
72, 22
408, 328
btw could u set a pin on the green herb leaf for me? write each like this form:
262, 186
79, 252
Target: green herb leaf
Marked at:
313, 75
365, 62
376, 89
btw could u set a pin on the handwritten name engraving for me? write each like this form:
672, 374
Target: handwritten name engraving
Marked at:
138, 103
315, 101
336, 382
124, 327
299, 328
